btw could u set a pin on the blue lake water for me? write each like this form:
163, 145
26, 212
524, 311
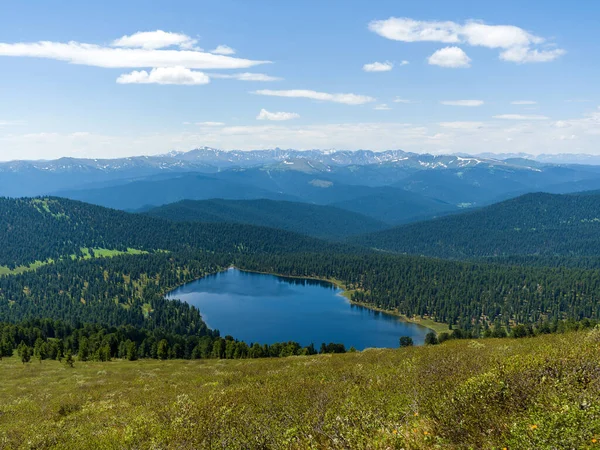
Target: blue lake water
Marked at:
266, 309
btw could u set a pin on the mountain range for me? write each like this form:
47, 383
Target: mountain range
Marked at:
393, 187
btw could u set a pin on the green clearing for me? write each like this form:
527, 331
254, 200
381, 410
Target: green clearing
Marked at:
4, 270
98, 253
533, 393
107, 253
43, 206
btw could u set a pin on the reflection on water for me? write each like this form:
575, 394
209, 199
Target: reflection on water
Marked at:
266, 308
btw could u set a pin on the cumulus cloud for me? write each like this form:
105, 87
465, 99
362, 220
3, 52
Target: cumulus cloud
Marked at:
520, 117
154, 40
223, 50
378, 67
462, 102
266, 115
347, 99
125, 57
382, 107
452, 57
526, 55
409, 30
518, 45
246, 76
165, 75
523, 102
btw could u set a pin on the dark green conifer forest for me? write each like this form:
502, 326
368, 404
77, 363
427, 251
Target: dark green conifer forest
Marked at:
86, 269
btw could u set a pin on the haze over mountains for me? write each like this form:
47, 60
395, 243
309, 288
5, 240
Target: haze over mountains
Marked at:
393, 186
325, 222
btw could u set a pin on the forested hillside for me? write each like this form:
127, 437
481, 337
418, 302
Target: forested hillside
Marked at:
325, 187
52, 228
534, 224
470, 296
168, 188
395, 206
314, 220
124, 289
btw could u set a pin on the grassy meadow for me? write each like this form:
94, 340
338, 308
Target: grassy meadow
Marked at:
98, 253
532, 393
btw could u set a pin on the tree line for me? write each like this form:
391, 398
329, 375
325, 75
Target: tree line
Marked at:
54, 339
465, 295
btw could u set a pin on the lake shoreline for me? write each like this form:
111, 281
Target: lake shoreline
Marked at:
436, 327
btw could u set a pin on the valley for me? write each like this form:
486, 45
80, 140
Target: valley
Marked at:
92, 293
324, 225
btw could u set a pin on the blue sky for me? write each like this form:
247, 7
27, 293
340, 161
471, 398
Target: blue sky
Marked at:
110, 79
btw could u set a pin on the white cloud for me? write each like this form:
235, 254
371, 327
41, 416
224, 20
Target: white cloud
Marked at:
110, 57
462, 102
165, 75
210, 124
462, 125
223, 50
246, 76
523, 102
348, 99
517, 43
266, 115
402, 100
497, 36
154, 40
382, 107
526, 55
520, 117
452, 57
524, 136
378, 67
409, 30
404, 62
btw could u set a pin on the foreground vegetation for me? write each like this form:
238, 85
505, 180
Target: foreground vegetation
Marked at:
532, 393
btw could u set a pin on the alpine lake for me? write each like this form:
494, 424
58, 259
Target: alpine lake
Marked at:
261, 308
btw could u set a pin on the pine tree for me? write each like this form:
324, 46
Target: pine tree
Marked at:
163, 349
69, 361
431, 338
406, 341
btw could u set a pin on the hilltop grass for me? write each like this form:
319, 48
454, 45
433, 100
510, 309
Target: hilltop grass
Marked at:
98, 253
536, 393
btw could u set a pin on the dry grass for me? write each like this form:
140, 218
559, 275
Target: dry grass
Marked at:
539, 393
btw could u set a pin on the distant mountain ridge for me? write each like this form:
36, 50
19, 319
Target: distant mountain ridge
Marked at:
392, 186
319, 221
210, 159
537, 224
